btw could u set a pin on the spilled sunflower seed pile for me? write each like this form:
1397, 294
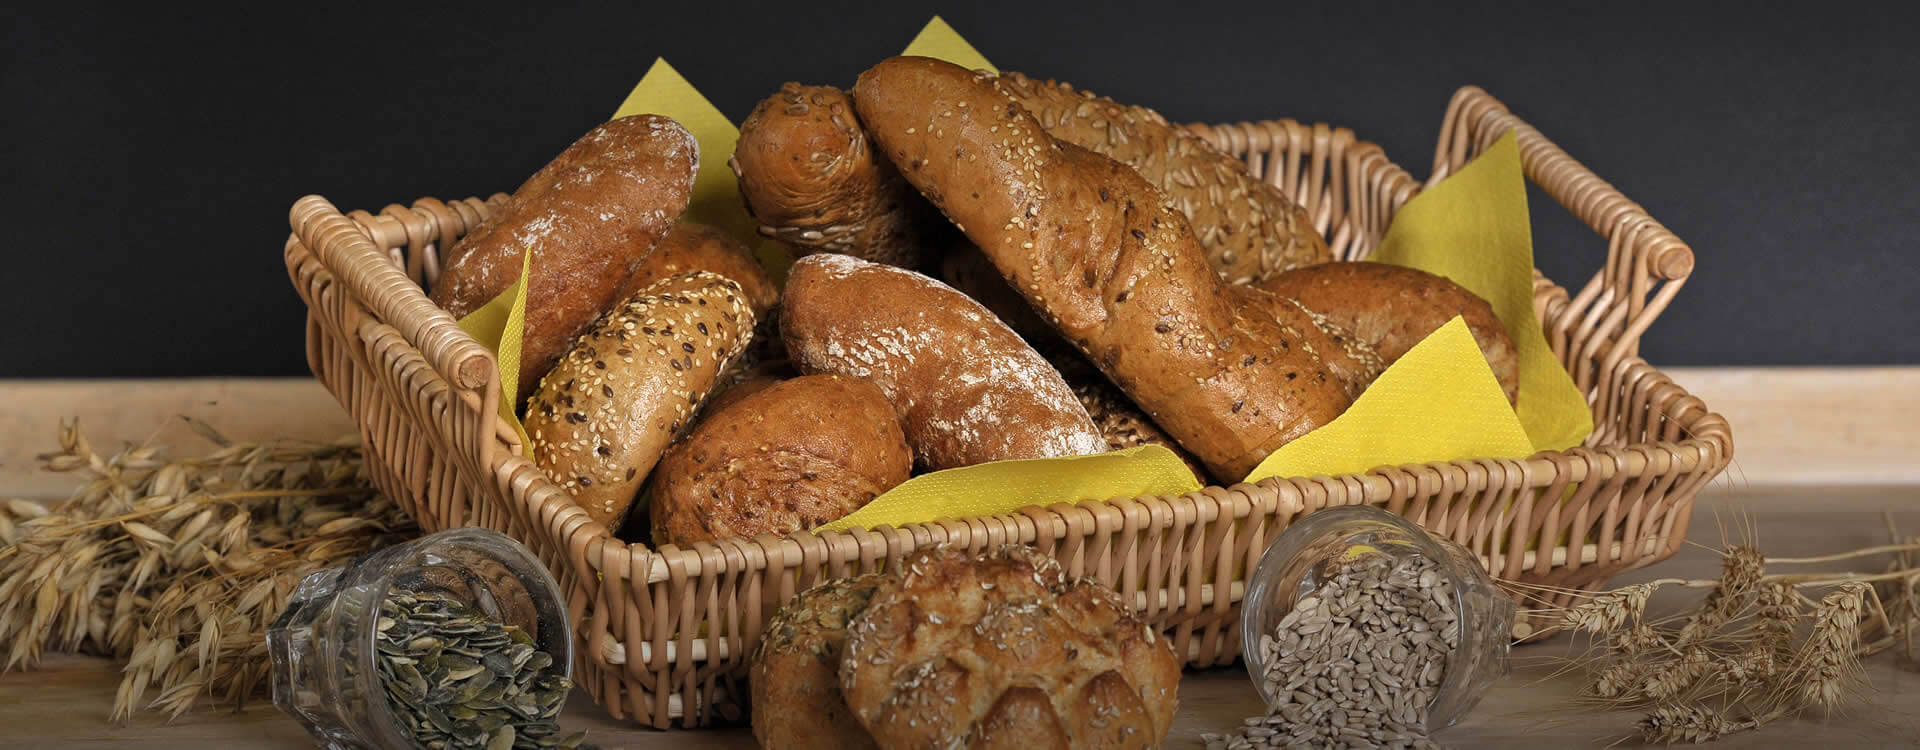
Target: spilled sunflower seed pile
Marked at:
1357, 663
456, 678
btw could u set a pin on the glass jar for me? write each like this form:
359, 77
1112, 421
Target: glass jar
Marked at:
1296, 564
322, 645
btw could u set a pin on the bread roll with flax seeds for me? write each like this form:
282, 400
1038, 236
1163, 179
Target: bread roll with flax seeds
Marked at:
999, 649
591, 218
601, 418
1105, 258
810, 177
1391, 308
791, 456
967, 389
1250, 229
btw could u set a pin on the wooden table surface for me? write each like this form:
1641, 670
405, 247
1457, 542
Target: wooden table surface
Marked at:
65, 703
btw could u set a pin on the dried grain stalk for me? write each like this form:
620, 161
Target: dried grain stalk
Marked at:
178, 566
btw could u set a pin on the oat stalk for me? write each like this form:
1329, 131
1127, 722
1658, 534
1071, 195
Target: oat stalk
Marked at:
177, 566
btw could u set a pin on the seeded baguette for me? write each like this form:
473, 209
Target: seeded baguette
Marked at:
788, 457
810, 177
967, 389
602, 417
1101, 254
592, 216
1353, 362
1250, 229
1391, 308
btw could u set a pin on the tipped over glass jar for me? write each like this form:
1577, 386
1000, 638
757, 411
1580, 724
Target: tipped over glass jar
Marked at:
1359, 627
457, 639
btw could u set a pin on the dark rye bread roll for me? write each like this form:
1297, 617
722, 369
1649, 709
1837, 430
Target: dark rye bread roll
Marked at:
810, 177
967, 389
1250, 229
1000, 649
794, 681
788, 457
1391, 308
1105, 258
591, 217
602, 417
693, 246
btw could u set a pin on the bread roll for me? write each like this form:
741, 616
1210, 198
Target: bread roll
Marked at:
794, 680
967, 389
693, 246
1125, 426
591, 217
1104, 257
601, 418
1250, 229
810, 177
999, 649
969, 272
1391, 308
791, 456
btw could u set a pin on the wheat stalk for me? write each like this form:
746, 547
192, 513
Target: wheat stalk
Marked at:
179, 566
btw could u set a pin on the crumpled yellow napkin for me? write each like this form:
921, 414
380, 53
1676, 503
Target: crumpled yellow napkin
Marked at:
1438, 402
499, 325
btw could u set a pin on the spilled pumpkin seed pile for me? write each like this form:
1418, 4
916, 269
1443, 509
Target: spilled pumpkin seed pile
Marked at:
455, 678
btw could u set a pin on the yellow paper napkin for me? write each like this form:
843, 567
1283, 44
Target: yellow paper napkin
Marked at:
499, 326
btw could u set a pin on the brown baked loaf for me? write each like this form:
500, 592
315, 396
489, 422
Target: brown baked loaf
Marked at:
968, 271
693, 246
792, 456
810, 177
1251, 230
603, 415
967, 389
1391, 308
794, 681
1104, 257
592, 217
999, 649
1353, 362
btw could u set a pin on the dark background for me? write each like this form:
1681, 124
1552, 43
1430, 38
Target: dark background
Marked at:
150, 153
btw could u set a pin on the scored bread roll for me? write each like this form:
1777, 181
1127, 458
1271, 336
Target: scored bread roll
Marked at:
967, 389
1391, 308
794, 681
591, 217
1000, 649
1251, 230
1102, 255
788, 457
603, 415
1353, 362
810, 177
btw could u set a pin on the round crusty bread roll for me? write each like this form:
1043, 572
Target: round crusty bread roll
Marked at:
603, 415
810, 177
1391, 308
999, 649
794, 682
790, 456
967, 388
591, 217
693, 246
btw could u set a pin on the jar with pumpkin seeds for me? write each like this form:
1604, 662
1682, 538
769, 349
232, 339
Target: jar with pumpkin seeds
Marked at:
455, 640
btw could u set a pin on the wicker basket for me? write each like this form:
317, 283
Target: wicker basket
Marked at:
664, 632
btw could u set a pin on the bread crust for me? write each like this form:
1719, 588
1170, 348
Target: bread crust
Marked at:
1250, 229
967, 389
1391, 308
794, 681
592, 216
693, 246
1105, 259
601, 418
1000, 649
810, 177
791, 456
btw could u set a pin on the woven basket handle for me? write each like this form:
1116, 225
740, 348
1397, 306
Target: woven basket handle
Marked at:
385, 289
1646, 264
